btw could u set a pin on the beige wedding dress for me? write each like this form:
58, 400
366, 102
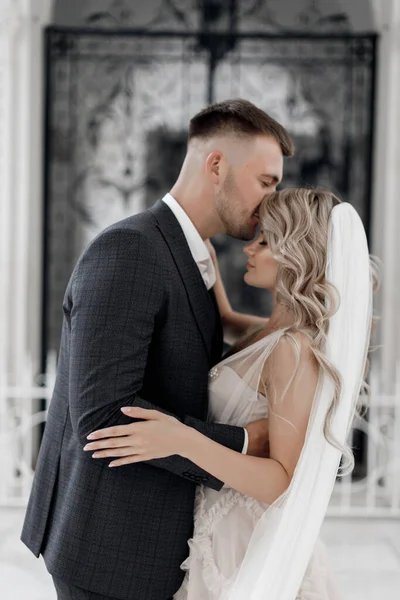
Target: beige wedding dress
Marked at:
224, 521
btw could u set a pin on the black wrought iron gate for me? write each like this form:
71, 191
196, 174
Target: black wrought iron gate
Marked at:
118, 104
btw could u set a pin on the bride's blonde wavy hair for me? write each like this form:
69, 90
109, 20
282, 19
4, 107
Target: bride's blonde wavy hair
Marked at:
295, 225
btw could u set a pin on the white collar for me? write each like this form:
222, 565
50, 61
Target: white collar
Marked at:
197, 246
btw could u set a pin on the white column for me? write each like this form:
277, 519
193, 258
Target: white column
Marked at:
21, 146
7, 23
386, 193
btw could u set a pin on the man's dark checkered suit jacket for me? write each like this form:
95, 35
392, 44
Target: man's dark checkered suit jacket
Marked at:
140, 329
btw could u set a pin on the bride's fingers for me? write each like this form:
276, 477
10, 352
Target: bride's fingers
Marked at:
111, 452
115, 431
109, 443
135, 458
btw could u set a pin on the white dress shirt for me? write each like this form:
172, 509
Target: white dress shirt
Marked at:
201, 256
199, 250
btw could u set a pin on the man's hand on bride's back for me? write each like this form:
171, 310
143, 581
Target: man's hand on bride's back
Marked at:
258, 438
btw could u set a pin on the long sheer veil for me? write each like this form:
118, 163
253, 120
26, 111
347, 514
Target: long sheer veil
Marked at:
284, 537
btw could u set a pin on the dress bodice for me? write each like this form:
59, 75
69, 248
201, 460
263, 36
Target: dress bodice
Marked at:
234, 398
223, 382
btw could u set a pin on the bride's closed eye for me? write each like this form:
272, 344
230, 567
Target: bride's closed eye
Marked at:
262, 244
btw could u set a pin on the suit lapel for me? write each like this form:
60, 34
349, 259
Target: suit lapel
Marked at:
219, 333
199, 298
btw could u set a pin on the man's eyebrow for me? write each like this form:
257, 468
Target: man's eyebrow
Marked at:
274, 178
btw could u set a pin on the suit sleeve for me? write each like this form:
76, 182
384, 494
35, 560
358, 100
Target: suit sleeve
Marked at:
117, 294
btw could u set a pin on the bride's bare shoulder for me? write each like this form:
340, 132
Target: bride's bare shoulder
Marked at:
293, 338
298, 338
292, 354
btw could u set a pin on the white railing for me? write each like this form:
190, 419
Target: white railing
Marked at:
23, 410
376, 495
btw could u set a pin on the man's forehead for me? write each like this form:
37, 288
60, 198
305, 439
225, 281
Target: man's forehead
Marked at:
269, 165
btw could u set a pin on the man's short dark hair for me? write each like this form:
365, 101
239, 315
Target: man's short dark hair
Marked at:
239, 117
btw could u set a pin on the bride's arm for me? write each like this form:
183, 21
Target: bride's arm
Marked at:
291, 398
290, 381
235, 324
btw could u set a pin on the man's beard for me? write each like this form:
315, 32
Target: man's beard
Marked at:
241, 227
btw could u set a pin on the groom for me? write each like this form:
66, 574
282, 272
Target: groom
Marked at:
142, 328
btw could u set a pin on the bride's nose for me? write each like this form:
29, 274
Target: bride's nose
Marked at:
249, 249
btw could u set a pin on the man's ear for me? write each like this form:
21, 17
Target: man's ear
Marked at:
213, 166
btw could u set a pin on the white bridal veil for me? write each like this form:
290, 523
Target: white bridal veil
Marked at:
284, 537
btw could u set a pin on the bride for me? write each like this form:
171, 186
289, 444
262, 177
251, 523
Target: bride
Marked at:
258, 536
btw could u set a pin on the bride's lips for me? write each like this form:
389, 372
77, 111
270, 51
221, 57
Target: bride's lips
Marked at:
249, 266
